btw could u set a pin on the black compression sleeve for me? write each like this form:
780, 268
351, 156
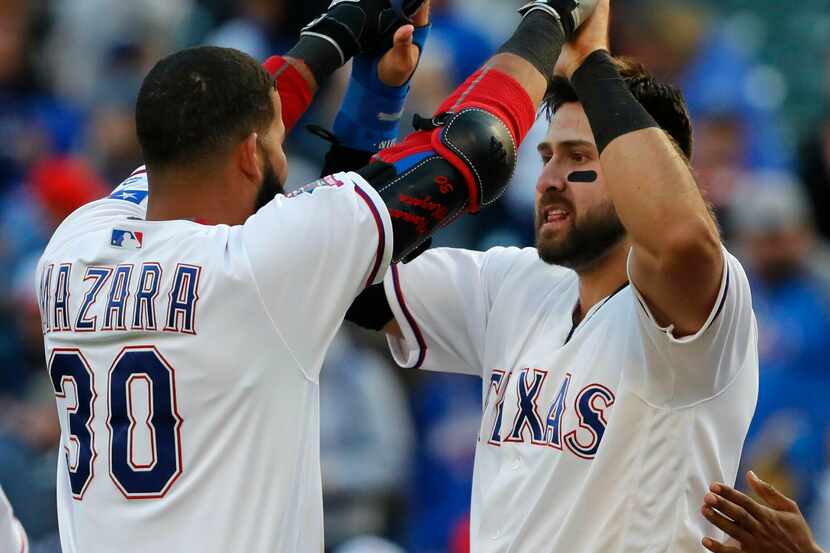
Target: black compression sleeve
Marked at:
611, 108
538, 39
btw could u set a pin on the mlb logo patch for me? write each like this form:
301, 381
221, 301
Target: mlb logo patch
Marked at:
127, 239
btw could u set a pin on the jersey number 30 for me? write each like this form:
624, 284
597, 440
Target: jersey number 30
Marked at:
135, 370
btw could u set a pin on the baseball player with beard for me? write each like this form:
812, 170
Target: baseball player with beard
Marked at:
618, 357
187, 315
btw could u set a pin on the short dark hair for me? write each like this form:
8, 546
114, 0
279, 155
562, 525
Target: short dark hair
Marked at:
198, 101
664, 102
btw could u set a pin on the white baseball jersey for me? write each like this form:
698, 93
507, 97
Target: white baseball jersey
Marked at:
12, 536
597, 439
185, 361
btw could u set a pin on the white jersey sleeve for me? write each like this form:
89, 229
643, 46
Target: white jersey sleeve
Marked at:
312, 252
441, 302
12, 536
680, 372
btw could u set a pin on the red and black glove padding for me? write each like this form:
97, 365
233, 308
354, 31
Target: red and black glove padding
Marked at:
461, 165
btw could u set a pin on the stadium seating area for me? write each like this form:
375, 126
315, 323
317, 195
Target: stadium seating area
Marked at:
756, 75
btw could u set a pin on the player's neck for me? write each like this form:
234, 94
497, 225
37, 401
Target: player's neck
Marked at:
603, 279
186, 195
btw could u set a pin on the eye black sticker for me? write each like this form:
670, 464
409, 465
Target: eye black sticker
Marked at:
583, 176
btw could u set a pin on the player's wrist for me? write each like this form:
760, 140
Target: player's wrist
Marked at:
610, 107
369, 118
370, 114
571, 61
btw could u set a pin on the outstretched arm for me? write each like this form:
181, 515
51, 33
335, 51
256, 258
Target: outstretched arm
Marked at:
677, 262
462, 160
329, 42
370, 112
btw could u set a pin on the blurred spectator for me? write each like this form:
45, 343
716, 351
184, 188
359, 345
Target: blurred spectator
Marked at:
79, 50
29, 429
112, 143
456, 48
28, 423
55, 187
732, 98
717, 159
447, 417
33, 123
814, 162
788, 275
29, 213
366, 440
259, 30
467, 46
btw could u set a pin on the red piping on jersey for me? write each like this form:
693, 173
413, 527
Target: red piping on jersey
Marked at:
422, 345
381, 234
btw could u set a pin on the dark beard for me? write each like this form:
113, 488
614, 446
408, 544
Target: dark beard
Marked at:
592, 236
271, 186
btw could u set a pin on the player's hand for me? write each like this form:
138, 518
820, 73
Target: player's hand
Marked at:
777, 526
398, 64
589, 38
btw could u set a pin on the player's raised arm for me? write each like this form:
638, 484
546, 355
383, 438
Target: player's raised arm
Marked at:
370, 113
461, 159
677, 262
330, 41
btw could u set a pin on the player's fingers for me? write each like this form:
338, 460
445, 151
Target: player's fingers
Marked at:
402, 39
738, 498
731, 510
397, 65
725, 524
718, 547
770, 495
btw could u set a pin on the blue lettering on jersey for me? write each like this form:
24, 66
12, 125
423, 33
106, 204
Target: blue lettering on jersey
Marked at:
528, 414
98, 276
591, 404
553, 429
181, 312
114, 313
144, 311
121, 289
44, 298
498, 386
61, 308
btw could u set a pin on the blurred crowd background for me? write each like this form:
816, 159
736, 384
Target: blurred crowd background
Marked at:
397, 446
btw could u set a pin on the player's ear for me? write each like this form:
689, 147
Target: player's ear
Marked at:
247, 155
